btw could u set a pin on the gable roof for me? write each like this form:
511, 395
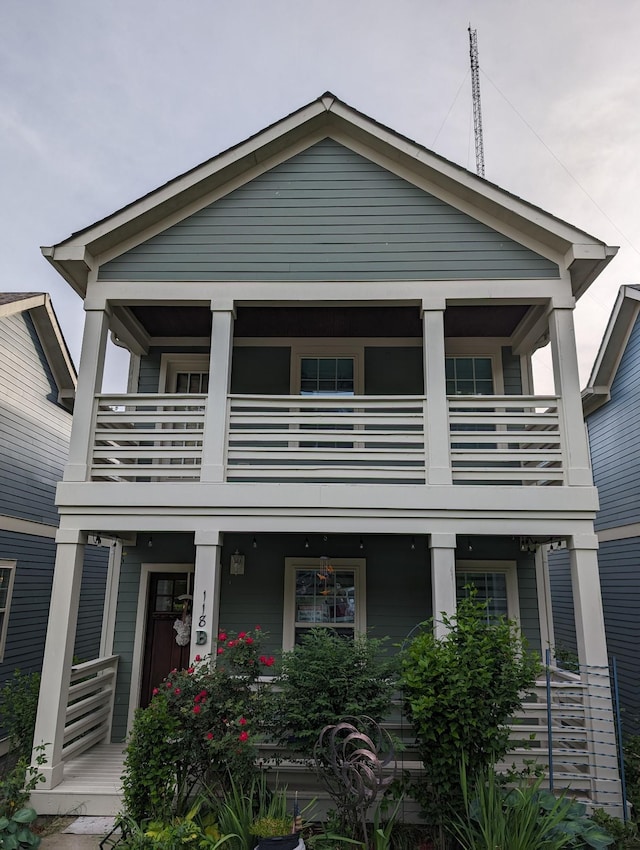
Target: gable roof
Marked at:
621, 322
40, 308
327, 117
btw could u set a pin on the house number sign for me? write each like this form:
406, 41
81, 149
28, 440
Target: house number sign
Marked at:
201, 635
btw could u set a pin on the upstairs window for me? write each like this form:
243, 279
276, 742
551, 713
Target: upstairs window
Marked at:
327, 375
469, 375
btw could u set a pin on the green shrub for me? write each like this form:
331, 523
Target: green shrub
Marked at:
18, 708
460, 691
327, 677
15, 831
200, 728
523, 818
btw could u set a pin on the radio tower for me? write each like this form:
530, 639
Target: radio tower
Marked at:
475, 94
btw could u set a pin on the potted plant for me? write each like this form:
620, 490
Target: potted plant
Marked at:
276, 833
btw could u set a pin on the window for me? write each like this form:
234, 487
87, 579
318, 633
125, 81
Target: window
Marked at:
327, 375
469, 375
7, 572
323, 592
496, 583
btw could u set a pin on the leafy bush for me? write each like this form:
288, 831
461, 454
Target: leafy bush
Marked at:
199, 729
15, 831
327, 677
18, 707
460, 691
524, 818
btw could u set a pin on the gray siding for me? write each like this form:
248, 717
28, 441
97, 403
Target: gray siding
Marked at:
614, 435
328, 213
562, 601
34, 430
511, 372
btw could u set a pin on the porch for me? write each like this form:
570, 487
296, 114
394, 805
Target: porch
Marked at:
558, 710
516, 440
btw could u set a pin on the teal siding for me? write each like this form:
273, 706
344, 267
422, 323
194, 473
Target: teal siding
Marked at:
614, 435
511, 373
328, 213
34, 430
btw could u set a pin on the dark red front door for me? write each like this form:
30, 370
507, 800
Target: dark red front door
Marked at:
165, 604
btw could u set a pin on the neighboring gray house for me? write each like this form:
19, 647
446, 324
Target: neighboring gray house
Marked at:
611, 403
37, 387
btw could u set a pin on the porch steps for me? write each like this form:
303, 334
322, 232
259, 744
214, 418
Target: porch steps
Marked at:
92, 785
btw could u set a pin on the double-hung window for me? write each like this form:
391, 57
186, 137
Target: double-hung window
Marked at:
495, 583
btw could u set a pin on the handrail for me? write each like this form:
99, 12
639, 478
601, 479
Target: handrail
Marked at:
90, 705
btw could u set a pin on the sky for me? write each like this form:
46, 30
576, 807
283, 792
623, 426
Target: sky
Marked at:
102, 102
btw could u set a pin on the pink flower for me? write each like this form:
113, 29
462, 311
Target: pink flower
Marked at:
222, 635
243, 736
249, 641
196, 709
175, 670
220, 650
209, 736
155, 691
198, 658
243, 721
257, 629
177, 691
231, 643
169, 684
241, 635
190, 670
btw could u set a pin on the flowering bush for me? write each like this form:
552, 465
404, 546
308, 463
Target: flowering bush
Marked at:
200, 728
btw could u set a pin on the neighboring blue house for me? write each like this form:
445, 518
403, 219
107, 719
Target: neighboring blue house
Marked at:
611, 403
37, 387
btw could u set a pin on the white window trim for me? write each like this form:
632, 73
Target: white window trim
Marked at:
507, 568
171, 364
288, 618
137, 662
480, 348
327, 348
11, 566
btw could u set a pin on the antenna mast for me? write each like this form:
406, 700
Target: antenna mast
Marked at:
475, 94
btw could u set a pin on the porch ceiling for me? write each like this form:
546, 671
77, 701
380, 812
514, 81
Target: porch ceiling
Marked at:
460, 321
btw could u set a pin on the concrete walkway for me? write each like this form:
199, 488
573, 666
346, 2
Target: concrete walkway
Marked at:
85, 833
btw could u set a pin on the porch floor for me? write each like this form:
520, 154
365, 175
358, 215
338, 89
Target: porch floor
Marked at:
92, 785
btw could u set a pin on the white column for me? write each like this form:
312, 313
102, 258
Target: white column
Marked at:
111, 598
443, 579
594, 670
436, 412
206, 593
214, 442
94, 343
58, 653
567, 386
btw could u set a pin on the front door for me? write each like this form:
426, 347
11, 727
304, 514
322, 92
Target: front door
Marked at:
167, 637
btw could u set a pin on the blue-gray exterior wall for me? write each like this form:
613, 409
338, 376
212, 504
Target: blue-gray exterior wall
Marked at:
614, 435
34, 430
328, 214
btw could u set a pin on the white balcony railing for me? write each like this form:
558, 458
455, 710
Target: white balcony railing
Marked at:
514, 440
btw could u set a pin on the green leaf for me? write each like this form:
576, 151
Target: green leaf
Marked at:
26, 815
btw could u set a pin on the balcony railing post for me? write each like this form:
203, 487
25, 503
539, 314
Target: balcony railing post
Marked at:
94, 342
216, 423
435, 411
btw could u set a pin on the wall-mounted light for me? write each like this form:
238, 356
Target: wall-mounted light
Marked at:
150, 542
306, 542
254, 543
361, 546
236, 566
413, 544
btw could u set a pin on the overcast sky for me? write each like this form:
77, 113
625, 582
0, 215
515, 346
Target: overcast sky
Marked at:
101, 102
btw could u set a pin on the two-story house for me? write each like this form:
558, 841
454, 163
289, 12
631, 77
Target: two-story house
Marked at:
37, 386
331, 331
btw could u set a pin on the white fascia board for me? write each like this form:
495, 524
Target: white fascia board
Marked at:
22, 304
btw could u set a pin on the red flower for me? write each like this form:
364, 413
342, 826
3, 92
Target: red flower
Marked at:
177, 691
268, 662
202, 694
220, 650
190, 670
241, 635
249, 641
209, 736
257, 629
231, 643
243, 721
197, 698
222, 635
196, 709
169, 684
155, 691
243, 736
263, 659
198, 658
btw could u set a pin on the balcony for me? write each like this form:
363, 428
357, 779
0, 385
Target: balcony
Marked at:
512, 440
